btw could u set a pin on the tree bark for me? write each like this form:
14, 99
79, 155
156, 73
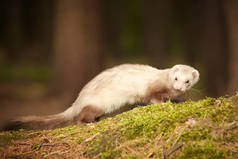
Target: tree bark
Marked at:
114, 13
77, 45
156, 30
232, 15
13, 30
190, 12
213, 47
37, 29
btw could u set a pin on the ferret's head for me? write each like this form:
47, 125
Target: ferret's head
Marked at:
183, 77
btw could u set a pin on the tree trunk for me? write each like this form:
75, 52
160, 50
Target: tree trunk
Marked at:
37, 28
213, 47
232, 15
190, 20
156, 30
13, 30
114, 13
77, 45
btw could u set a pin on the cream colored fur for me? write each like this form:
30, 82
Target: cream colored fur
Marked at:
127, 84
115, 88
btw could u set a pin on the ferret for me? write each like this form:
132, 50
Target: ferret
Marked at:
114, 89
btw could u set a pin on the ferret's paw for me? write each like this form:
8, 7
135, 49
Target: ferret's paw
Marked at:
154, 101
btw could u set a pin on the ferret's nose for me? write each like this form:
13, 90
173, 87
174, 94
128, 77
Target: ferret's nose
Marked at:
178, 88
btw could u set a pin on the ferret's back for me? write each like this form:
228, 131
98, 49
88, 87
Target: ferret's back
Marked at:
125, 74
124, 81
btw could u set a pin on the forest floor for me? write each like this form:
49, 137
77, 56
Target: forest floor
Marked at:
23, 91
29, 98
207, 128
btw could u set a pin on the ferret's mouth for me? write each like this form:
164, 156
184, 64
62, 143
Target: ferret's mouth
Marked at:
180, 90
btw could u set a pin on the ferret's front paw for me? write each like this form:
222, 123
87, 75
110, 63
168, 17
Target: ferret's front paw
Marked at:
155, 101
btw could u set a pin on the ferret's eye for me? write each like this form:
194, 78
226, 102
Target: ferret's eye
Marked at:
187, 81
176, 78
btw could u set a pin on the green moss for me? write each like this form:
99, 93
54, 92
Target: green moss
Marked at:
207, 128
197, 134
201, 150
148, 122
110, 154
35, 146
7, 137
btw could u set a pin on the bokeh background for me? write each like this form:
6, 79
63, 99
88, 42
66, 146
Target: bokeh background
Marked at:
50, 48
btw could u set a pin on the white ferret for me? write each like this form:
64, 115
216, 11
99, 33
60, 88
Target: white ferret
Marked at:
112, 90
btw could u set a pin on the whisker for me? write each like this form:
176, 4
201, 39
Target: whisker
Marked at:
200, 91
194, 92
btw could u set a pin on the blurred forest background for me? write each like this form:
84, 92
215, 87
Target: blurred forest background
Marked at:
50, 49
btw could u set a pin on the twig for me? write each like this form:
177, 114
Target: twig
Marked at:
130, 149
92, 137
52, 153
133, 151
150, 154
174, 148
47, 144
57, 152
163, 156
180, 134
230, 126
22, 143
33, 133
63, 143
158, 137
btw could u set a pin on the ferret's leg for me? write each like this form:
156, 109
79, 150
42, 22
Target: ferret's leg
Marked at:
156, 101
89, 114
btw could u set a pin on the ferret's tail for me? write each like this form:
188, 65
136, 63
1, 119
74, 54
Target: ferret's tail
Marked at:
38, 122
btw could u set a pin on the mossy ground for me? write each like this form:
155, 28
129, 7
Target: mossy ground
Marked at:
207, 128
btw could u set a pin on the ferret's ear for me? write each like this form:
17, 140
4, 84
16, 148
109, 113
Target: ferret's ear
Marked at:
175, 68
195, 74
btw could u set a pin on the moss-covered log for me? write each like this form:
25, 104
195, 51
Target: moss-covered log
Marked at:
207, 128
